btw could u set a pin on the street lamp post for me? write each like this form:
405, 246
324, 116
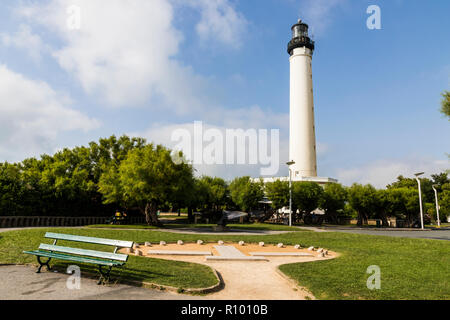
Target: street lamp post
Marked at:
437, 204
420, 198
290, 163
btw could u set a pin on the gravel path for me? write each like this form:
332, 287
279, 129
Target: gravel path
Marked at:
22, 283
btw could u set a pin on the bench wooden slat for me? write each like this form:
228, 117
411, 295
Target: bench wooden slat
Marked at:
108, 242
74, 258
84, 252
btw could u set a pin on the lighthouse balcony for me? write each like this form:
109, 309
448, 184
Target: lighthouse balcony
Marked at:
300, 42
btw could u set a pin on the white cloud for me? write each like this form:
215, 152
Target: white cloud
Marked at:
220, 21
24, 39
383, 172
32, 116
125, 51
319, 14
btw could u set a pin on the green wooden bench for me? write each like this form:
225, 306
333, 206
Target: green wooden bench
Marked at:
100, 258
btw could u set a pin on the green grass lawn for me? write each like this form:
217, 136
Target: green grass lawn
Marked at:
410, 268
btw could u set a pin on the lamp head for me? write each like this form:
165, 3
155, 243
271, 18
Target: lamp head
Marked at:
419, 174
290, 163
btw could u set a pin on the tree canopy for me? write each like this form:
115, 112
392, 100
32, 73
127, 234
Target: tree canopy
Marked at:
445, 104
245, 193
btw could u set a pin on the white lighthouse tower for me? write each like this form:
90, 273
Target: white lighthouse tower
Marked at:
302, 137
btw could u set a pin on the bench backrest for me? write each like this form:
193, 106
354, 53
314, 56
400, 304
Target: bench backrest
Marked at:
84, 252
108, 242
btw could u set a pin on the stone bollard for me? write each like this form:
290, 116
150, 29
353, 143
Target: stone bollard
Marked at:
326, 252
241, 243
180, 242
261, 244
138, 253
129, 250
200, 242
320, 250
162, 243
311, 249
280, 245
321, 255
297, 246
220, 242
148, 244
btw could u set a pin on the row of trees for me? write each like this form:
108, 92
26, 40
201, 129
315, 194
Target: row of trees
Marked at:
400, 199
115, 173
130, 174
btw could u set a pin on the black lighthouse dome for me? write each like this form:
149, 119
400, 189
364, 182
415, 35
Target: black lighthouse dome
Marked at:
300, 37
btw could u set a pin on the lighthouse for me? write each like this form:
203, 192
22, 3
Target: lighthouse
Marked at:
302, 133
302, 136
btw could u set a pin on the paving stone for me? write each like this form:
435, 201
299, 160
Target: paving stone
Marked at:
245, 258
179, 253
282, 254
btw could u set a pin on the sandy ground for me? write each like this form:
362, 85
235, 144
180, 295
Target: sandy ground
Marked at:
247, 280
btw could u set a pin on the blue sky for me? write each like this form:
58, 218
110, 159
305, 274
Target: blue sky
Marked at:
149, 67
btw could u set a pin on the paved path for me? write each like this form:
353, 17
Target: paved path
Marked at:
232, 232
22, 283
443, 234
230, 253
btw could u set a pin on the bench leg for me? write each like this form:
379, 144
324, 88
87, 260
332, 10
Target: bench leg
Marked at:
104, 275
41, 264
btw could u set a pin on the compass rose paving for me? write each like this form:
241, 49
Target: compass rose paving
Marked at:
249, 272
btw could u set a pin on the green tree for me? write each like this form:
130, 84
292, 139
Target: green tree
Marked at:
213, 195
445, 104
403, 203
382, 206
363, 200
306, 197
411, 183
145, 179
333, 201
184, 193
278, 193
440, 179
444, 202
11, 189
245, 193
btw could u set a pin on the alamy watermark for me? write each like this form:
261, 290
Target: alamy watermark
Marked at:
374, 281
74, 17
74, 281
230, 146
374, 20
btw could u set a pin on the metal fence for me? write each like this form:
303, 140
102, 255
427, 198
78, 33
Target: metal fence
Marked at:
20, 222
